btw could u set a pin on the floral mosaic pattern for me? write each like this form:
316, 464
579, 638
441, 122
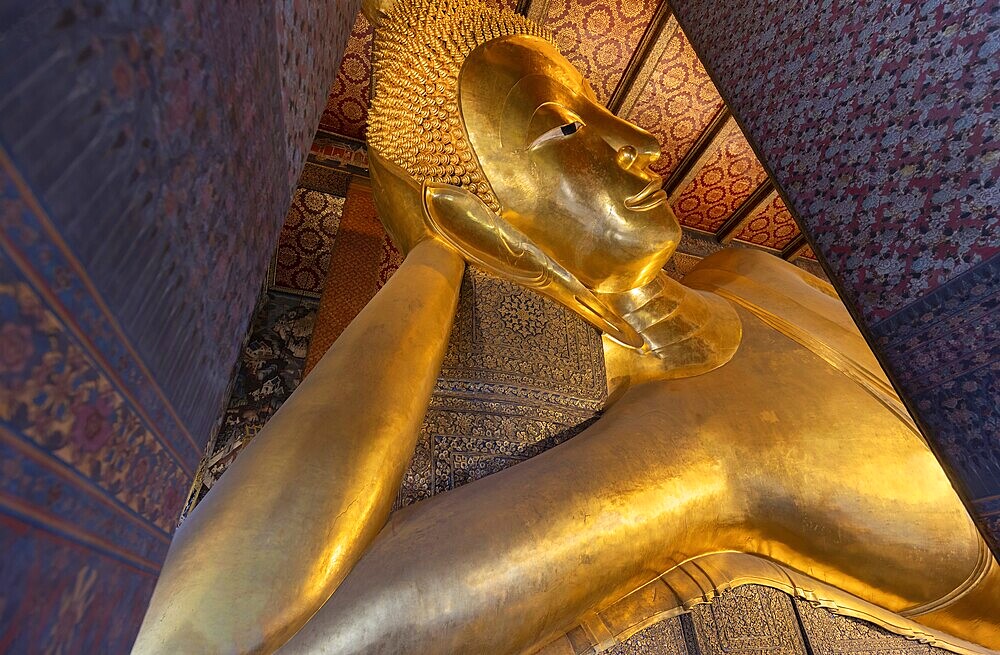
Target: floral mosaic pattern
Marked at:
150, 162
725, 176
677, 101
673, 636
306, 239
748, 620
59, 400
75, 599
84, 481
829, 634
882, 142
303, 27
131, 239
754, 620
770, 225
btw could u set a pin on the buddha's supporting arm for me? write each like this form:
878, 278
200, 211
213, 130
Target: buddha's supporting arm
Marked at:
668, 474
285, 524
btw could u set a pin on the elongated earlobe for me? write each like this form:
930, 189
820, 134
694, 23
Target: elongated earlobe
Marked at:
485, 239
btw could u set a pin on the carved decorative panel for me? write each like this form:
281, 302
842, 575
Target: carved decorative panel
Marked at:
673, 636
521, 374
748, 620
270, 369
830, 634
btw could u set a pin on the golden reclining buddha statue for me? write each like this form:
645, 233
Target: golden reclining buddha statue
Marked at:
489, 147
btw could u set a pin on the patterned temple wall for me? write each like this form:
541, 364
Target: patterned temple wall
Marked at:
147, 155
879, 122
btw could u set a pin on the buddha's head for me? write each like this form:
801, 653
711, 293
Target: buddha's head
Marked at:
479, 100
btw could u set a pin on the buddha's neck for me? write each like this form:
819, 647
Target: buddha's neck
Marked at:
686, 330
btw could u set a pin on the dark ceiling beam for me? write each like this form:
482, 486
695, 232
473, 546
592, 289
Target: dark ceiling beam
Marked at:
795, 247
735, 223
640, 56
697, 150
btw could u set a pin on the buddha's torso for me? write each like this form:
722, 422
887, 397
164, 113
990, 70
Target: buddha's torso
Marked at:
778, 453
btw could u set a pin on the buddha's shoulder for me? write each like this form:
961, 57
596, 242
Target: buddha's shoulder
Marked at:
799, 305
764, 283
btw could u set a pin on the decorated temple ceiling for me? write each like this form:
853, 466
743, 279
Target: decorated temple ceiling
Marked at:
643, 68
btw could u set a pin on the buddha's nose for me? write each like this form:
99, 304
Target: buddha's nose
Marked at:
637, 148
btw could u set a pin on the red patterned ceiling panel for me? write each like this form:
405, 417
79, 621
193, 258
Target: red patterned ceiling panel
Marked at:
808, 253
598, 36
725, 176
677, 100
347, 107
770, 225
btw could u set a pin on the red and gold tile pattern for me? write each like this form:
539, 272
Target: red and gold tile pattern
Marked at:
770, 225
808, 253
599, 36
306, 240
725, 176
677, 100
347, 106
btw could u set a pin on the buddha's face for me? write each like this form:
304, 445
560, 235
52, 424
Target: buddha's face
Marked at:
573, 177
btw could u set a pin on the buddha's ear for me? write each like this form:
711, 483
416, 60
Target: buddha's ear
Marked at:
485, 239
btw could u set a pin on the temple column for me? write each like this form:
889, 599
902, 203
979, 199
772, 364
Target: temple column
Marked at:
876, 119
147, 159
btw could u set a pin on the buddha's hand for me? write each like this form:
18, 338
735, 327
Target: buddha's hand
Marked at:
412, 212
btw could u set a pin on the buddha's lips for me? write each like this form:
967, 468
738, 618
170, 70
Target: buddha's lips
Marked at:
652, 196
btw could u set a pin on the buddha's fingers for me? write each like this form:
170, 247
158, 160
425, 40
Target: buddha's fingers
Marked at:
289, 519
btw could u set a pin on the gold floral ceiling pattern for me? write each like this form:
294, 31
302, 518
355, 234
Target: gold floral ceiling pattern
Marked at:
641, 65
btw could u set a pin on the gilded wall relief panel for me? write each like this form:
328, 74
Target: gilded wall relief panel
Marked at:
520, 376
830, 634
748, 620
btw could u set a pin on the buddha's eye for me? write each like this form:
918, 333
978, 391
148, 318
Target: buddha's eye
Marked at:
560, 132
